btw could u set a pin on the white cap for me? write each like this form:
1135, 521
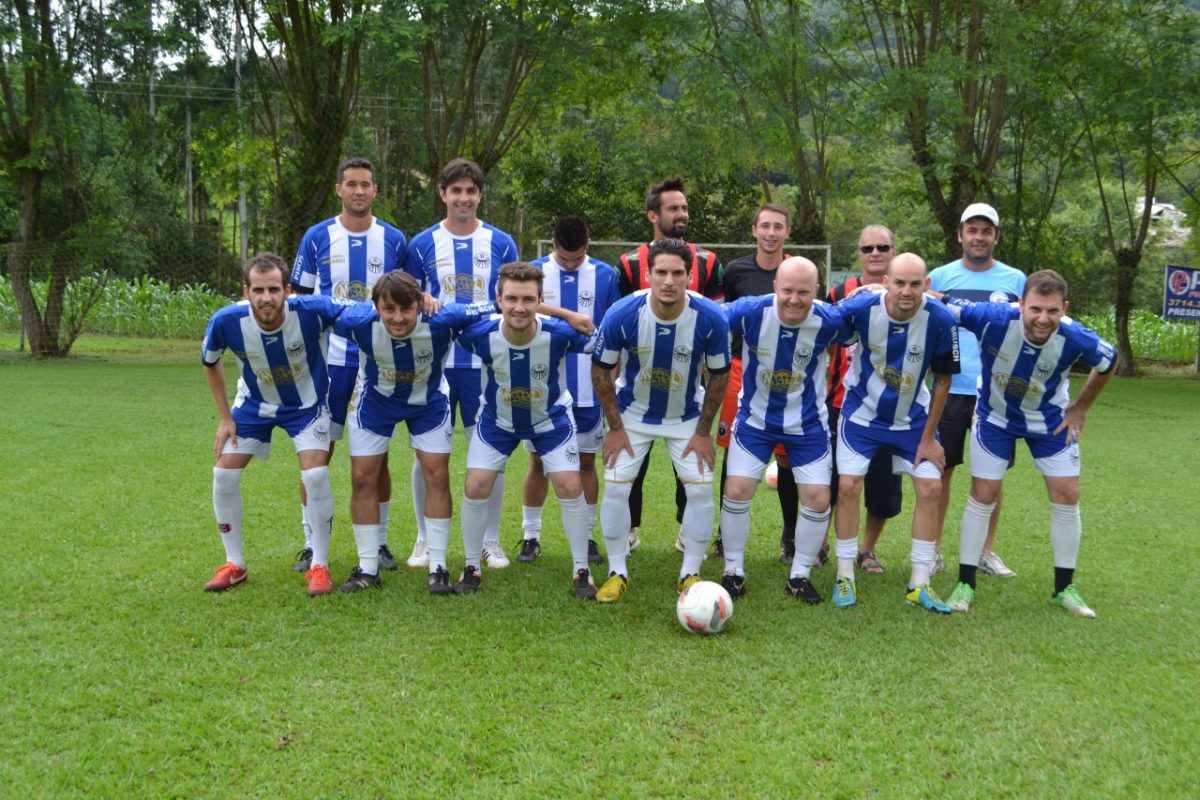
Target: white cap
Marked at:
980, 210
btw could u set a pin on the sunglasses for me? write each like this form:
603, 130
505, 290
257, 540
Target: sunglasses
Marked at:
871, 248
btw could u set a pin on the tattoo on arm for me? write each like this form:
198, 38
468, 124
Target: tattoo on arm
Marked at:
714, 397
606, 393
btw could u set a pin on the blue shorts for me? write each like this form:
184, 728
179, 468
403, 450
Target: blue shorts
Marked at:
1002, 443
259, 428
341, 388
801, 450
379, 415
858, 444
466, 393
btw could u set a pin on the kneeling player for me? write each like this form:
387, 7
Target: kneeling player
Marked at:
1027, 354
280, 342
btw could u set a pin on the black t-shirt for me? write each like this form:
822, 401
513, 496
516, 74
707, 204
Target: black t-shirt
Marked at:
745, 278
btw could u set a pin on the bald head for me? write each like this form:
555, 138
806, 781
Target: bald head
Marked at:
907, 263
797, 267
905, 283
795, 289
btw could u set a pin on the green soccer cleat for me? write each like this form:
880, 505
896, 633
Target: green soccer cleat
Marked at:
961, 598
1070, 601
925, 597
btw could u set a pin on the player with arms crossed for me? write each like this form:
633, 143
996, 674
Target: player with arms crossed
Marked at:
524, 398
660, 340
1027, 353
902, 335
280, 341
785, 337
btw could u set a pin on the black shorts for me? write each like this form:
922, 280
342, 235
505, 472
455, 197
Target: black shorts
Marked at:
882, 488
953, 426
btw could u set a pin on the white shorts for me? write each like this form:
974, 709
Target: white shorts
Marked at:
641, 436
988, 465
314, 436
563, 458
742, 463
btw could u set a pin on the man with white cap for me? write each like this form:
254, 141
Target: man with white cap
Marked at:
980, 278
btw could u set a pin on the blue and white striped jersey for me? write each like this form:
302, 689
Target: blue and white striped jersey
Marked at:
525, 389
282, 369
1024, 387
661, 361
885, 384
784, 367
334, 262
407, 370
591, 289
460, 269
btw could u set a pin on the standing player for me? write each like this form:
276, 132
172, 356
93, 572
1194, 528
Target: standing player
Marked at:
754, 275
280, 341
979, 277
881, 486
343, 257
786, 336
667, 210
660, 340
1027, 354
572, 280
902, 335
458, 261
524, 399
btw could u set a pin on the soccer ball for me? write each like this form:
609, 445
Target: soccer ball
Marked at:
771, 476
704, 608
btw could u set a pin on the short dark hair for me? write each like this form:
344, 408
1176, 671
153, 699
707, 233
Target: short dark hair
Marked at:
674, 247
521, 272
460, 168
571, 233
264, 262
400, 287
355, 162
1046, 281
778, 209
654, 193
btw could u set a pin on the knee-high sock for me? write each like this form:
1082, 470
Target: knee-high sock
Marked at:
531, 521
1066, 530
847, 550
575, 521
418, 494
473, 518
366, 540
735, 532
320, 511
437, 533
385, 512
810, 535
922, 562
227, 506
614, 524
697, 526
495, 507
973, 531
789, 502
307, 527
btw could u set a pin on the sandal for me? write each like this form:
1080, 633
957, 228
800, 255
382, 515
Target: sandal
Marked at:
867, 562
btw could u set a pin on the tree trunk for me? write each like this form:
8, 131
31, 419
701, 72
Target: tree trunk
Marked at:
42, 331
1128, 260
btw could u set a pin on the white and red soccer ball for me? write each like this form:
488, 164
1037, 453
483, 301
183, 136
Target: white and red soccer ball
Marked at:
704, 608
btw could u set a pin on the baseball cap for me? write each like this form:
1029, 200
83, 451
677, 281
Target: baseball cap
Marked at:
980, 210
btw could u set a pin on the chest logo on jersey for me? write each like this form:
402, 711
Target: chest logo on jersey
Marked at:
915, 354
460, 284
374, 265
802, 356
539, 372
520, 397
1017, 388
296, 349
482, 260
896, 380
1043, 370
664, 331
682, 354
281, 375
780, 380
662, 379
586, 299
423, 356
351, 290
897, 330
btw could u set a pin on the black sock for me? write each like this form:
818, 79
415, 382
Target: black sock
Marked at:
789, 501
1063, 577
966, 574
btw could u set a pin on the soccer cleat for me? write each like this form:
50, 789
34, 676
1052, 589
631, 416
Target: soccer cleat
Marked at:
1070, 601
734, 584
494, 555
420, 555
938, 565
386, 559
318, 580
822, 555
925, 597
802, 588
227, 576
993, 565
787, 550
360, 580
303, 560
634, 541
469, 581
530, 550
687, 582
583, 585
844, 595
718, 547
612, 589
594, 556
961, 598
439, 582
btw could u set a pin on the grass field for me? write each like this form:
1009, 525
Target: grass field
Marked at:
120, 677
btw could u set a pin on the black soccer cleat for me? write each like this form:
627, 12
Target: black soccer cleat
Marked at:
360, 580
734, 584
303, 560
386, 559
787, 549
439, 582
718, 547
583, 585
803, 589
530, 550
594, 556
470, 580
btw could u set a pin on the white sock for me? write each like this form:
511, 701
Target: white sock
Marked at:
227, 506
614, 524
531, 521
385, 509
735, 532
575, 525
591, 507
307, 527
366, 538
495, 508
810, 535
972, 533
473, 518
418, 493
320, 511
697, 526
847, 552
922, 562
437, 532
1066, 530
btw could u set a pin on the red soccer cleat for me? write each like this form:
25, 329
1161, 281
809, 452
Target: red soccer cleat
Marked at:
227, 576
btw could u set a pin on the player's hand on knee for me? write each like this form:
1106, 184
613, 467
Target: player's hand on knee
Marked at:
226, 432
704, 449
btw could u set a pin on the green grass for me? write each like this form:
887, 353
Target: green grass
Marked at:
119, 677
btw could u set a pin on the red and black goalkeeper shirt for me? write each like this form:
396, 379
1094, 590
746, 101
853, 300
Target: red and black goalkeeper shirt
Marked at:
839, 355
705, 278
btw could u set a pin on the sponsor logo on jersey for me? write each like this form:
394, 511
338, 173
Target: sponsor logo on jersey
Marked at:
375, 264
1017, 388
351, 290
461, 283
520, 397
915, 354
780, 380
268, 376
896, 380
334, 260
540, 372
405, 377
661, 379
682, 354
